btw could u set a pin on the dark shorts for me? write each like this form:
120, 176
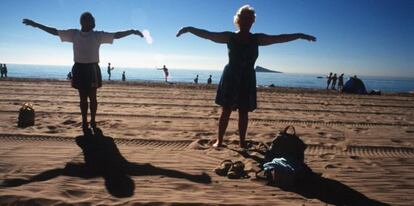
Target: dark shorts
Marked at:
86, 76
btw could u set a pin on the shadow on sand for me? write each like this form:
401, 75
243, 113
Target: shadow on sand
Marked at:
330, 191
103, 159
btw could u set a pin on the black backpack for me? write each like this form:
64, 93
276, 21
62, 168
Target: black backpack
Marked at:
288, 146
26, 116
285, 144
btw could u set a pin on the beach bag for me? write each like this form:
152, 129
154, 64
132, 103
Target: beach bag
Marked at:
286, 145
26, 116
284, 160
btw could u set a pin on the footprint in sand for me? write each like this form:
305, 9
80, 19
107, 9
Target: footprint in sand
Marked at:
337, 138
327, 156
332, 166
129, 134
396, 140
354, 157
203, 134
370, 163
68, 122
74, 193
359, 129
52, 129
200, 144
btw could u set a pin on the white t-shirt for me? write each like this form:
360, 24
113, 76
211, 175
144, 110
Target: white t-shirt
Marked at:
86, 44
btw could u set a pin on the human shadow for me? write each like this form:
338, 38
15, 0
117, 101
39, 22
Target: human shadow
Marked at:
103, 159
324, 189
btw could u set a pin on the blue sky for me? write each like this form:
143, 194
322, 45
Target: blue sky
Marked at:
364, 37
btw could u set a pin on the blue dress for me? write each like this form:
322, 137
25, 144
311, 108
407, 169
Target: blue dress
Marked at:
237, 87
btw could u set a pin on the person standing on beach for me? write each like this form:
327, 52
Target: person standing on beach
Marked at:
109, 70
1, 70
5, 70
341, 82
164, 68
69, 76
237, 87
123, 76
334, 78
328, 82
209, 80
196, 79
86, 74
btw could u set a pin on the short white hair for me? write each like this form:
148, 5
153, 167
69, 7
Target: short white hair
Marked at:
246, 9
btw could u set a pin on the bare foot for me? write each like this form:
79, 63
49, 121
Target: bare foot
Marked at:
217, 144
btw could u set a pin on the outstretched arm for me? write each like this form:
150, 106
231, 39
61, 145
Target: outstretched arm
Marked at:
264, 39
49, 30
218, 37
122, 34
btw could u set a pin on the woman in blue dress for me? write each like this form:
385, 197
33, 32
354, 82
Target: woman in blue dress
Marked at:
237, 87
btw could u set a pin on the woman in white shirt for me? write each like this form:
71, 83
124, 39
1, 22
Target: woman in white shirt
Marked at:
86, 72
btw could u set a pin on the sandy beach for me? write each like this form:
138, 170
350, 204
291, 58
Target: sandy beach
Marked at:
362, 146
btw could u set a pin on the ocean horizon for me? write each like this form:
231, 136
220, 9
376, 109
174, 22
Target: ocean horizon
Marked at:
313, 81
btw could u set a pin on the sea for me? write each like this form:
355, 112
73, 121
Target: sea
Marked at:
314, 81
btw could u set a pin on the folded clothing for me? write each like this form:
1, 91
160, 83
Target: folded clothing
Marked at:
284, 172
283, 165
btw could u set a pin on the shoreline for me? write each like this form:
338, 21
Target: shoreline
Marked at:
150, 83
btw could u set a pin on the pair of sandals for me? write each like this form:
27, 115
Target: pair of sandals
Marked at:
233, 170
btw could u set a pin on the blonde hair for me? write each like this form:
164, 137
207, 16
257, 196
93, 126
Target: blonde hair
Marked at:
244, 10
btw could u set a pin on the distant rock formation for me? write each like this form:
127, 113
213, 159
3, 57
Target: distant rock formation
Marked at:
262, 69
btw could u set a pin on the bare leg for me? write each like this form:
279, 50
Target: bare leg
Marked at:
243, 121
223, 122
93, 106
83, 94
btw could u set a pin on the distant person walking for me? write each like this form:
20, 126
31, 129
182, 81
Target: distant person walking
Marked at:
109, 69
328, 82
123, 76
196, 79
341, 82
165, 70
5, 70
237, 87
209, 80
86, 74
334, 78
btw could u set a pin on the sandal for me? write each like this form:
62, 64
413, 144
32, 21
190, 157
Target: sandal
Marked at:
236, 171
224, 168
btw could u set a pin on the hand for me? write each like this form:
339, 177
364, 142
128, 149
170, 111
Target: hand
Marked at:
29, 22
136, 32
183, 30
308, 37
